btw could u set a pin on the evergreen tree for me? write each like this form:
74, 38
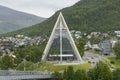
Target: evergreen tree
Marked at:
70, 73
92, 74
80, 45
6, 62
30, 53
117, 49
65, 74
56, 76
80, 75
25, 65
100, 72
116, 74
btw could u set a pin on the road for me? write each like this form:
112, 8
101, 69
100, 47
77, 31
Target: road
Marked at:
93, 58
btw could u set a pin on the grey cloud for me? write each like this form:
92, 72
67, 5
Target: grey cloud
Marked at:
43, 8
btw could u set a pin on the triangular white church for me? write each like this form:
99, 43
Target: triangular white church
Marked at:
61, 46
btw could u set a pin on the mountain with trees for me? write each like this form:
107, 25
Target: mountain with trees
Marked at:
85, 15
11, 20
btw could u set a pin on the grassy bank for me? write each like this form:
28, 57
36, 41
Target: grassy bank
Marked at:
47, 66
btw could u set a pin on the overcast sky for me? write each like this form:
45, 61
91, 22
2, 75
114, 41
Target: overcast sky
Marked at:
43, 8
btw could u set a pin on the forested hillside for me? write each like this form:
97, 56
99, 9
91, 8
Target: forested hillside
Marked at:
86, 16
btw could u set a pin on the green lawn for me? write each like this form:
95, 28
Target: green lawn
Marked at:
116, 62
94, 52
47, 66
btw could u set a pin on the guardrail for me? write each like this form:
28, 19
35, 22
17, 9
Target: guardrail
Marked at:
10, 72
14, 75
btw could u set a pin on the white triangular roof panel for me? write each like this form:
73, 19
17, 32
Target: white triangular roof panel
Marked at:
61, 46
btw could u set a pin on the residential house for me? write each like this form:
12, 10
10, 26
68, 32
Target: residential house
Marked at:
117, 33
106, 46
